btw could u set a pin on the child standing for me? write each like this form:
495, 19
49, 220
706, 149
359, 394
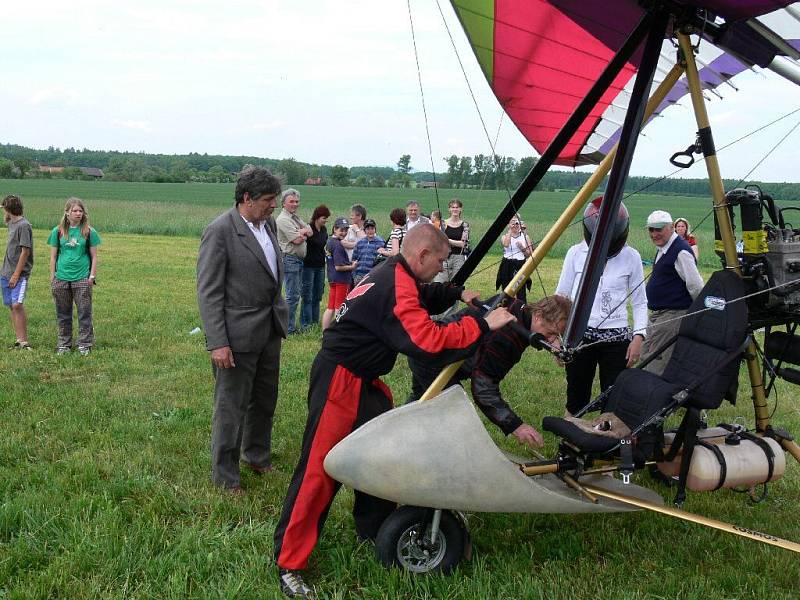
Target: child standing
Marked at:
340, 269
17, 265
73, 266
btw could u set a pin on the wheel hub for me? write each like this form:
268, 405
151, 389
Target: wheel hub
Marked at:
415, 551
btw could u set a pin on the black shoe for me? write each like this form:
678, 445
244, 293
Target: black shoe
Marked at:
292, 584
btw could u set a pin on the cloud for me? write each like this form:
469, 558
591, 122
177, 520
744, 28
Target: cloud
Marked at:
143, 126
268, 126
54, 94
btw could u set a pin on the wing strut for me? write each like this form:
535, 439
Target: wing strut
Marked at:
598, 248
549, 156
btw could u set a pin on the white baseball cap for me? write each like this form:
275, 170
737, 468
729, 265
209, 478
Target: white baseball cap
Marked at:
659, 219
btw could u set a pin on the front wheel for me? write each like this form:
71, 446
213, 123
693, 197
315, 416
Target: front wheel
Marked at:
404, 540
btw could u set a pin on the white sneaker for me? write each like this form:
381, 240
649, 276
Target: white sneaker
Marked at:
292, 584
61, 351
84, 350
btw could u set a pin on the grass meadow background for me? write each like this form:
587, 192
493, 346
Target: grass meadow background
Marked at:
104, 466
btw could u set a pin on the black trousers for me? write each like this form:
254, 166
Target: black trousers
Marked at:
609, 356
338, 403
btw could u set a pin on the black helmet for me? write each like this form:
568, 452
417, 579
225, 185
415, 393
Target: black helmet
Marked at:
620, 226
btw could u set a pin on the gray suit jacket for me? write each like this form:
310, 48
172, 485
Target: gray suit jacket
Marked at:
239, 297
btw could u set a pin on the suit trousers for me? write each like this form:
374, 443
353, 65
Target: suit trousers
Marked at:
662, 326
245, 397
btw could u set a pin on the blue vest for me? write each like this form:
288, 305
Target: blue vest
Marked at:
665, 289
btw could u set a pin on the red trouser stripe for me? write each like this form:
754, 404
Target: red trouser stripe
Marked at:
317, 489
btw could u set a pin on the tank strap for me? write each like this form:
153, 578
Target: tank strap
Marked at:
766, 448
723, 466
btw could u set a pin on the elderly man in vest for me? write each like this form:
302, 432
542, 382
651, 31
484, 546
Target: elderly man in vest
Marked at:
674, 283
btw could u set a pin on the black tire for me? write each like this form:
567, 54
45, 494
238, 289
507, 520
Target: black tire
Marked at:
400, 541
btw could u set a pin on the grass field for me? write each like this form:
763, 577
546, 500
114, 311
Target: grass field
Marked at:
185, 209
104, 466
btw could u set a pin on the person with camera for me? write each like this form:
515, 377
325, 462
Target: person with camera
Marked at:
517, 247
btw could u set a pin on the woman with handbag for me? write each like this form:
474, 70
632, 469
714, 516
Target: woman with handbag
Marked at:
457, 231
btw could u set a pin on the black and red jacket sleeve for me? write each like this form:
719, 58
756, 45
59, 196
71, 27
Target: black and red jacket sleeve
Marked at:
411, 330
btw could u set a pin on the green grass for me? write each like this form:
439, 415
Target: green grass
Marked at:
104, 468
185, 209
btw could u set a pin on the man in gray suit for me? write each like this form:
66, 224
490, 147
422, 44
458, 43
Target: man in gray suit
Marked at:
239, 270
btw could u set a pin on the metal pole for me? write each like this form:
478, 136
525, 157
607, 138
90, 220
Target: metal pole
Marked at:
687, 516
558, 228
554, 149
601, 240
723, 218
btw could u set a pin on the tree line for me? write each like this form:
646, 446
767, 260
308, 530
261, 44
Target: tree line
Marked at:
478, 172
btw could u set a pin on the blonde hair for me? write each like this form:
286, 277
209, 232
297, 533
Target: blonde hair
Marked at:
63, 227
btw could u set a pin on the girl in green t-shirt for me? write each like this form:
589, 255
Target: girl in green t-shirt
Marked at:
73, 269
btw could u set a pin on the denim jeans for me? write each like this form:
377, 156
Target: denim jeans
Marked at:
292, 282
313, 287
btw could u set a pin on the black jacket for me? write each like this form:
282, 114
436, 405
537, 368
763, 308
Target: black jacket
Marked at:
497, 353
388, 313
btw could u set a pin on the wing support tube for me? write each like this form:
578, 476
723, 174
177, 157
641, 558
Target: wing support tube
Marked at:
554, 149
687, 516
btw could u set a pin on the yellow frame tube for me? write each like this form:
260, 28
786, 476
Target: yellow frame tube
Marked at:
564, 221
687, 516
728, 240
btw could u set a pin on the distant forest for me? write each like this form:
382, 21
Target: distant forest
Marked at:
481, 171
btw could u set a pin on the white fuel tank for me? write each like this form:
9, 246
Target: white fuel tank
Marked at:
742, 464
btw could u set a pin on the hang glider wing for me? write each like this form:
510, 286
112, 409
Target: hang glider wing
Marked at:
542, 56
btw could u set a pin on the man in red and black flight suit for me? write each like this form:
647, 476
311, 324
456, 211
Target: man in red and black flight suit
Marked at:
386, 314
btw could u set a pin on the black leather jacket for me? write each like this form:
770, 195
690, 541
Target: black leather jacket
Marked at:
497, 353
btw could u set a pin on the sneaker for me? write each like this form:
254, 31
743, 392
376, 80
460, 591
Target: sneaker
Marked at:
62, 351
24, 346
292, 584
15, 345
84, 350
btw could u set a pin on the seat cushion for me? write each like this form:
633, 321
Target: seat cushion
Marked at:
637, 395
577, 436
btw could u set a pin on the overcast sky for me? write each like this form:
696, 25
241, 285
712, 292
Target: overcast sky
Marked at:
322, 81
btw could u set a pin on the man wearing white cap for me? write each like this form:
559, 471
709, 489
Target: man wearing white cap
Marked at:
674, 283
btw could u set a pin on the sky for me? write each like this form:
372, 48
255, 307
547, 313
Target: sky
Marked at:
321, 81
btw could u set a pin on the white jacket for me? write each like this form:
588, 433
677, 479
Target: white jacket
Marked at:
622, 275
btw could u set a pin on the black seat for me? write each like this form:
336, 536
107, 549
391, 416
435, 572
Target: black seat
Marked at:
703, 367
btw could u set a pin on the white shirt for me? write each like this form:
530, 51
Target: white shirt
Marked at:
512, 251
622, 275
685, 266
354, 233
411, 224
263, 239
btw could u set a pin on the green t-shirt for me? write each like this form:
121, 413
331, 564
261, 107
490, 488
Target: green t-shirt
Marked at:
73, 256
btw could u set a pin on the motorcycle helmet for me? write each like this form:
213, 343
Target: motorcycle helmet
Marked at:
619, 228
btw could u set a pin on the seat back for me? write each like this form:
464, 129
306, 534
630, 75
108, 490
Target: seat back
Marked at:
707, 338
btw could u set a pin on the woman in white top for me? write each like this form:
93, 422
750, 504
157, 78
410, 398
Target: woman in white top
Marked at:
611, 343
516, 248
